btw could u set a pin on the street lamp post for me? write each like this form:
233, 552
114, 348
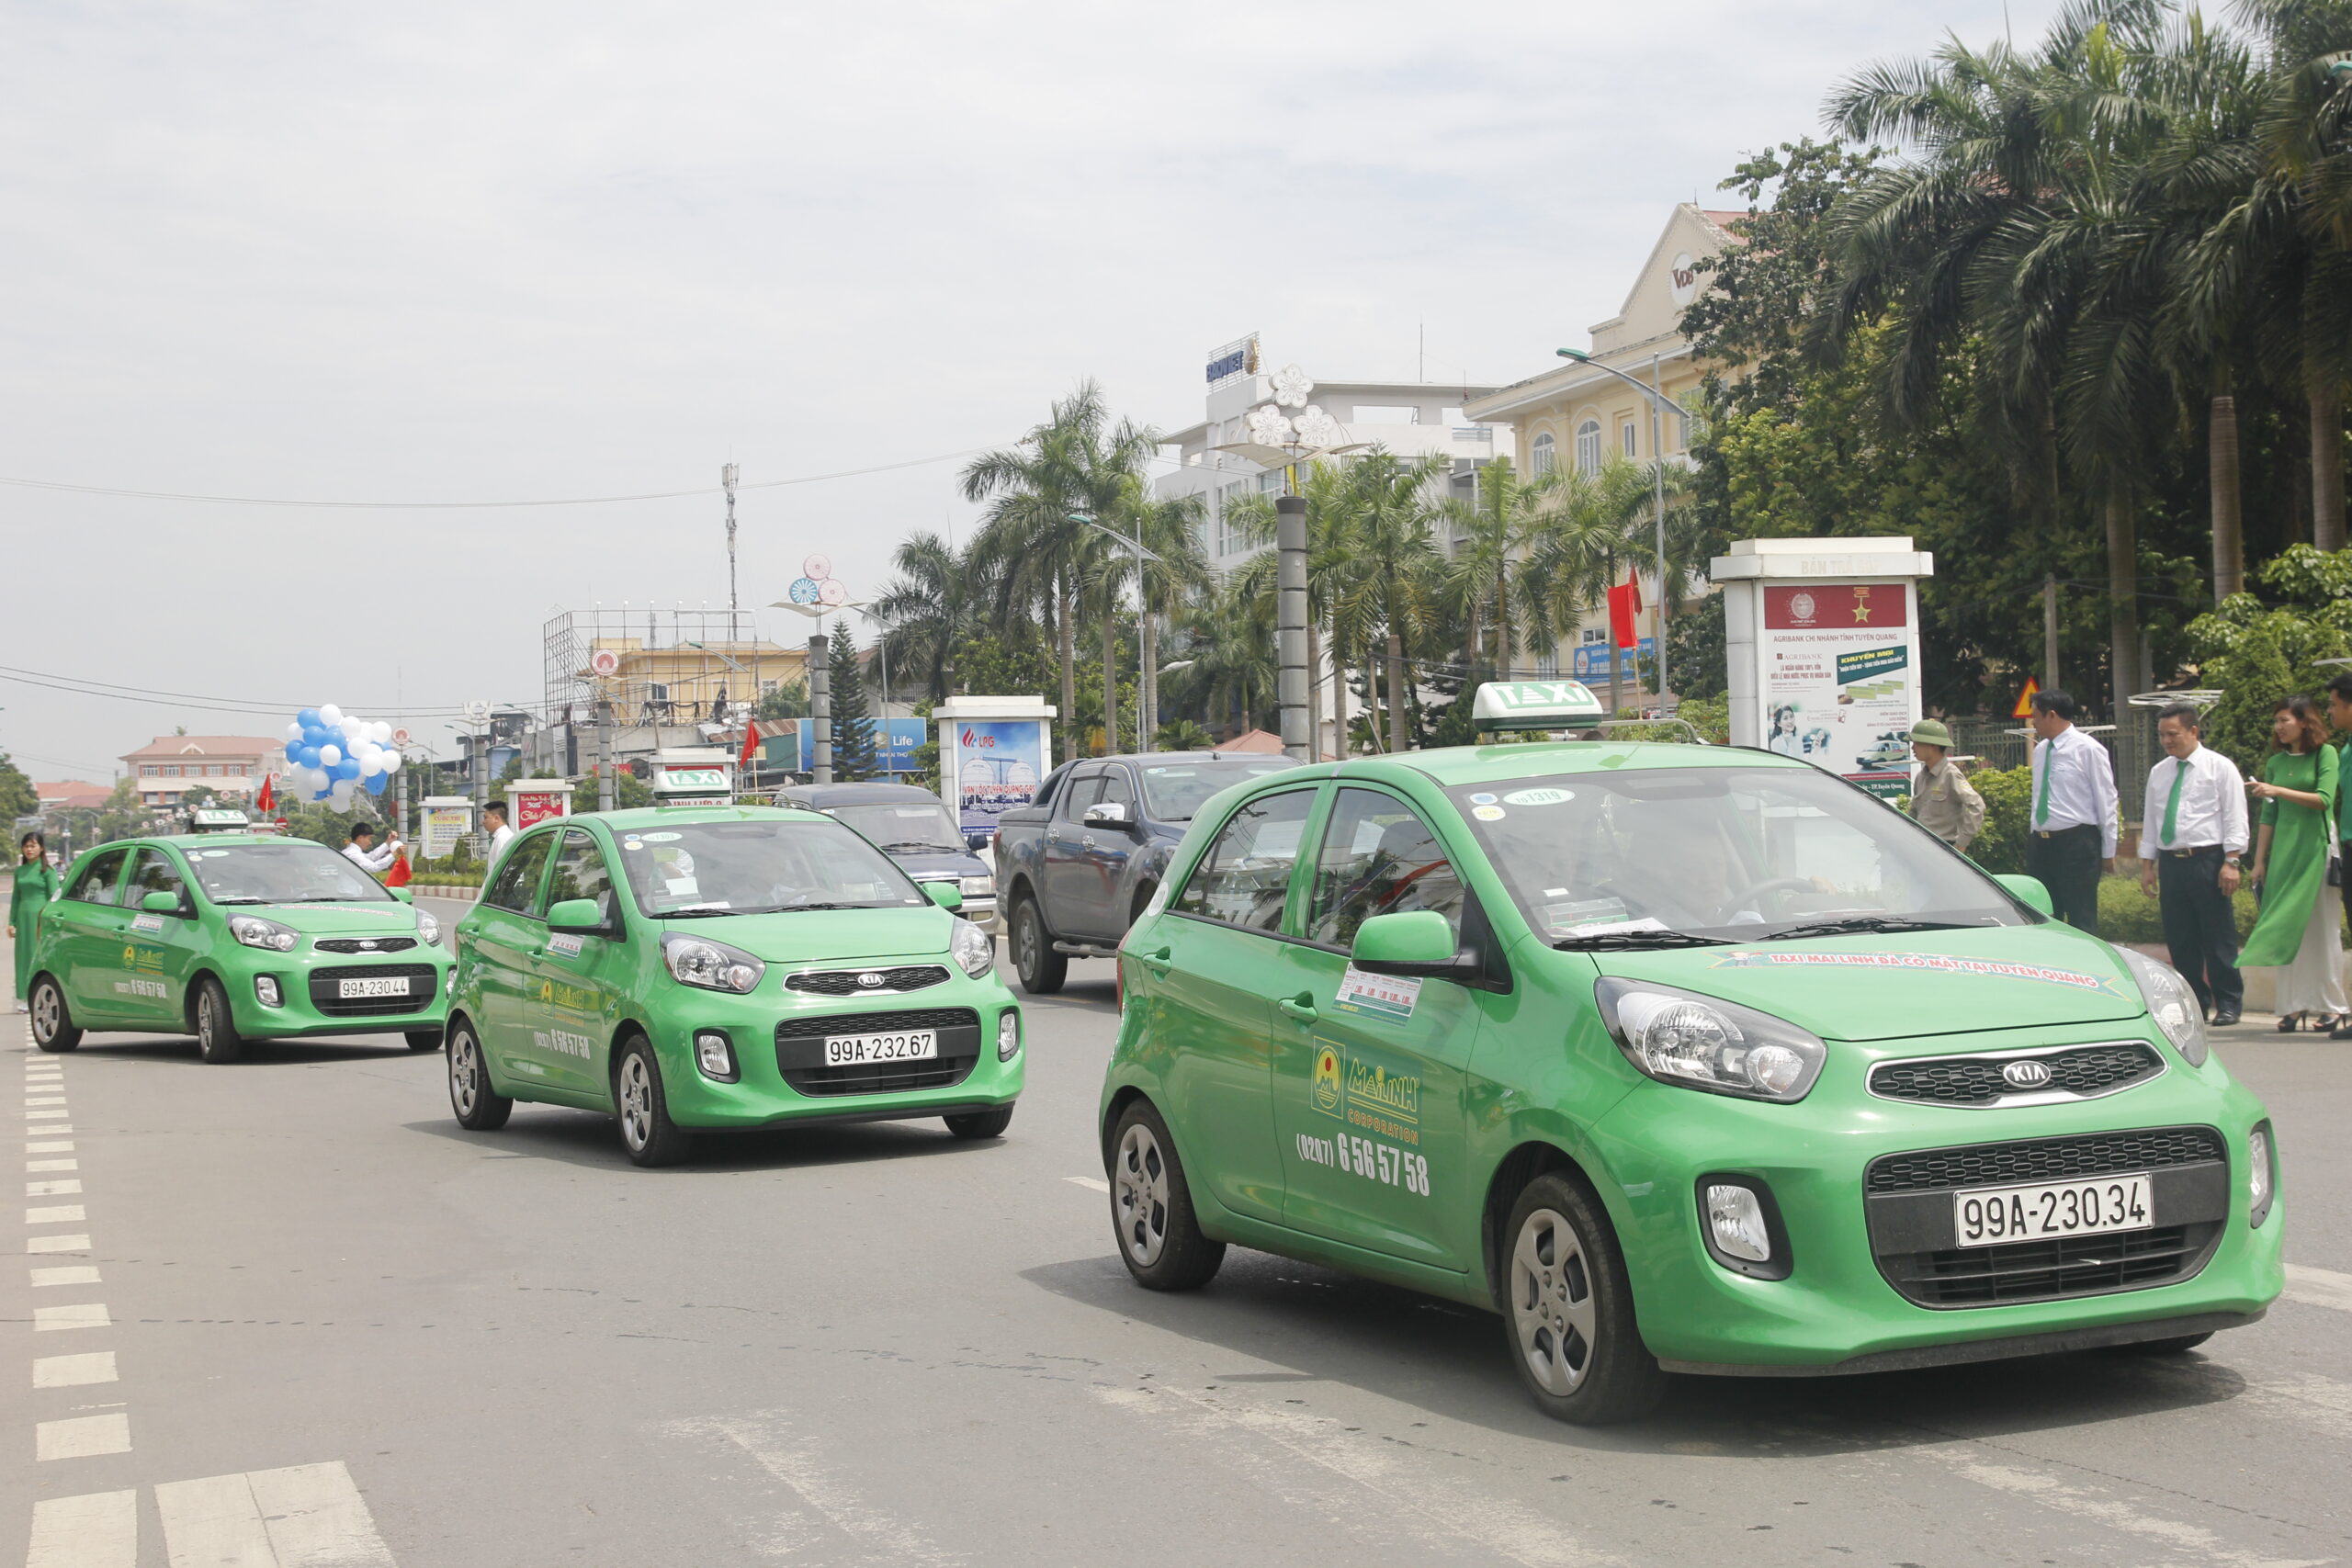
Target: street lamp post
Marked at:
1143, 608
1657, 472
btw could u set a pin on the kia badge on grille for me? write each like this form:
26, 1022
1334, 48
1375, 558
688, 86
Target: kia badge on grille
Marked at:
2026, 1073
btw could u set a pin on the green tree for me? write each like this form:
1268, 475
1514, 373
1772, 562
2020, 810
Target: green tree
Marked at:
854, 751
18, 796
937, 603
2259, 649
788, 700
1395, 597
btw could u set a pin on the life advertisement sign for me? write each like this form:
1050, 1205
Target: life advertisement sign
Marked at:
997, 764
1841, 679
791, 744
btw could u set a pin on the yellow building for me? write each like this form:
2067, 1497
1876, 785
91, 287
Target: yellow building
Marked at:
1580, 415
684, 682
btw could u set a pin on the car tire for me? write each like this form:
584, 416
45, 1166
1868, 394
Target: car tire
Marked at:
478, 1106
53, 1027
1040, 969
216, 1040
1567, 1309
647, 1135
423, 1039
976, 1124
1161, 1239
2179, 1345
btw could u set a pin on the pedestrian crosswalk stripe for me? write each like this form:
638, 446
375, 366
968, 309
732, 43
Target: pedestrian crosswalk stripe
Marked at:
76, 1315
1092, 1183
72, 1372
58, 1244
80, 1436
99, 1529
307, 1516
2319, 1287
72, 1274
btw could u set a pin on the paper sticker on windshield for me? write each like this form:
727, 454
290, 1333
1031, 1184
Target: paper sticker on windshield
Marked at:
1483, 799
682, 886
1539, 796
147, 922
1573, 915
564, 946
1377, 996
1943, 963
662, 838
1488, 813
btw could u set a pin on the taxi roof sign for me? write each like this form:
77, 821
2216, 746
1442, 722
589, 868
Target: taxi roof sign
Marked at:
212, 819
693, 775
1535, 704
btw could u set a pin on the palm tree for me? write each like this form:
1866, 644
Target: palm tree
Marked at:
1229, 642
1398, 588
1494, 569
1175, 569
935, 602
1573, 560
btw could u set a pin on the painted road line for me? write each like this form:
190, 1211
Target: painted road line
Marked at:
2319, 1287
71, 1371
308, 1515
55, 1214
44, 1116
58, 1244
832, 1501
49, 1149
99, 1530
60, 1188
66, 1274
81, 1436
1092, 1183
80, 1314
32, 1165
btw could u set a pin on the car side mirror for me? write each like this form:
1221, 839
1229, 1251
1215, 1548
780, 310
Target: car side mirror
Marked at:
2027, 890
581, 917
402, 893
946, 895
1419, 945
976, 842
160, 903
1108, 814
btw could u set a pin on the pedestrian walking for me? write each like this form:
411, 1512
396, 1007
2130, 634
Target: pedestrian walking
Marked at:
2339, 718
1943, 801
2071, 829
493, 816
2189, 852
2296, 872
30, 890
362, 852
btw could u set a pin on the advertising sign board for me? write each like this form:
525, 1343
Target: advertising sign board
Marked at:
446, 820
997, 765
791, 743
536, 800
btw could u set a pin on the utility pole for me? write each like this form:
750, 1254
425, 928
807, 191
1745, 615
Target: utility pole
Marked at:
734, 606
606, 788
821, 712
1290, 676
2049, 633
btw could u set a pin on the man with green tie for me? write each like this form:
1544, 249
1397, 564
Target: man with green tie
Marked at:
2190, 846
2071, 832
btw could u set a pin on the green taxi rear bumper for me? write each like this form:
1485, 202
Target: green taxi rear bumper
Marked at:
777, 1049
308, 983
1870, 1284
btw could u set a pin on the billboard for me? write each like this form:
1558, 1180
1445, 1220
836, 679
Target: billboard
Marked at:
995, 767
1838, 667
791, 743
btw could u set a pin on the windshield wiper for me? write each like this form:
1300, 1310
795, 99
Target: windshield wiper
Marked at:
921, 845
683, 911
1863, 925
1633, 941
240, 898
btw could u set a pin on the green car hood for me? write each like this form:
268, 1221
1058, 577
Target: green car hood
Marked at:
819, 935
370, 919
1905, 986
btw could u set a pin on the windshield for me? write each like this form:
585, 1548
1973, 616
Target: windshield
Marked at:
1733, 854
295, 873
907, 828
1175, 792
759, 868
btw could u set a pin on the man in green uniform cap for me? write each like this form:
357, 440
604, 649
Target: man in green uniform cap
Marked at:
1943, 800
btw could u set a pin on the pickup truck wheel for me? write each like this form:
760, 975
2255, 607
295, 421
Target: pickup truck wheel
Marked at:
1041, 969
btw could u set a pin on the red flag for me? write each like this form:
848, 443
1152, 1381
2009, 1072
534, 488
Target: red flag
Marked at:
266, 800
1624, 606
750, 741
397, 876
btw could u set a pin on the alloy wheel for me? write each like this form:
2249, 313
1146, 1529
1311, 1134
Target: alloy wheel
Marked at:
1026, 958
1140, 1185
637, 1101
1552, 1304
207, 1026
465, 1071
45, 1011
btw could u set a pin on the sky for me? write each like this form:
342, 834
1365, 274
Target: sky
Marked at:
501, 251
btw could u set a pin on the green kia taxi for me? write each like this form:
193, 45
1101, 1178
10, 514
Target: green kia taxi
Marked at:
710, 968
233, 938
1681, 1058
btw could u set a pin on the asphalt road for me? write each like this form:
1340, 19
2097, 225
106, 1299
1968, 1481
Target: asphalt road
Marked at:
313, 1322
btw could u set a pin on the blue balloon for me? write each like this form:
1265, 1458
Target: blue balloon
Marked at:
308, 718
308, 756
376, 785
293, 750
347, 769
313, 735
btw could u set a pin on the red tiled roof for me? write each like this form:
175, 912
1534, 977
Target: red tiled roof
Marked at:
171, 746
70, 791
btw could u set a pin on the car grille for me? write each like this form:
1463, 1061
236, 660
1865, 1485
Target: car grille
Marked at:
422, 987
365, 944
854, 982
1908, 1208
800, 1052
2082, 1071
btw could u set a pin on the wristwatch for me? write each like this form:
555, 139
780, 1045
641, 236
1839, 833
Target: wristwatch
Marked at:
2229, 860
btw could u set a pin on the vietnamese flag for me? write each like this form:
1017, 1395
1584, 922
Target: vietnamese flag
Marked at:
751, 741
1624, 607
266, 800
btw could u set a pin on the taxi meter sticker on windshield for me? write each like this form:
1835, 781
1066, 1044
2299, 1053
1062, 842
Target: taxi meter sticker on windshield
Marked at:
1376, 996
1944, 962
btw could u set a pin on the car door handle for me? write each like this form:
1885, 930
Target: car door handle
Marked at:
1299, 1008
1158, 963
1087, 842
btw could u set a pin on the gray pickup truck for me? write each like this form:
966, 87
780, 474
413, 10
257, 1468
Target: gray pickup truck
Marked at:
1075, 866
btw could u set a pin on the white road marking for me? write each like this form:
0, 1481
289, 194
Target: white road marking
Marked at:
55, 1214
45, 1099
2319, 1287
46, 1116
80, 1314
2173, 1535
58, 1189
71, 1274
58, 1244
32, 1165
69, 1371
795, 1460
214, 1522
99, 1529
81, 1436
49, 1147
1092, 1183
307, 1516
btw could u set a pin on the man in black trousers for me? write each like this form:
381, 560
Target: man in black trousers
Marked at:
2195, 830
2071, 825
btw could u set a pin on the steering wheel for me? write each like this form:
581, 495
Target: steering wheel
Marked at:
1777, 884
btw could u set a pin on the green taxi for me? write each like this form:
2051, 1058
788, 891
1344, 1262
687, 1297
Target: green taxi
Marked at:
1682, 1059
710, 968
233, 938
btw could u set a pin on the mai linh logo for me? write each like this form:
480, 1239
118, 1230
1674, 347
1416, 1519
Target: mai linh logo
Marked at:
1327, 1081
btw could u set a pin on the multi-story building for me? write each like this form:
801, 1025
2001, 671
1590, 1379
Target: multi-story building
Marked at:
1581, 415
170, 765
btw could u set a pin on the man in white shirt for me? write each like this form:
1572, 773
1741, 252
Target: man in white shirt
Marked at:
2070, 823
493, 816
362, 852
2195, 831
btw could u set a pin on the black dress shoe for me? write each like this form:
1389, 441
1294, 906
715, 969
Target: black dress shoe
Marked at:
2224, 1020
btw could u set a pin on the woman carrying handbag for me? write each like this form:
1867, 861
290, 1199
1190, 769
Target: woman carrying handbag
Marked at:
2296, 872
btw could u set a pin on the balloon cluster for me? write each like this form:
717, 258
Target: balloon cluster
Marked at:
329, 754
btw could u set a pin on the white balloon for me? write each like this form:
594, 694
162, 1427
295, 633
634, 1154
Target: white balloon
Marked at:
331, 717
351, 730
293, 732
330, 754
382, 732
392, 761
370, 763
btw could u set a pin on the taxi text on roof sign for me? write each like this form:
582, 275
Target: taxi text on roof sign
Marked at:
210, 820
1535, 704
693, 775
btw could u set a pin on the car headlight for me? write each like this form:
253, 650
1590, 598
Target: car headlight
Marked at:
2171, 1003
428, 927
972, 949
2261, 1175
713, 965
255, 932
979, 886
1008, 1034
1679, 1037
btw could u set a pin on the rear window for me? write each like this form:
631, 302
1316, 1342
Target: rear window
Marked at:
1175, 792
